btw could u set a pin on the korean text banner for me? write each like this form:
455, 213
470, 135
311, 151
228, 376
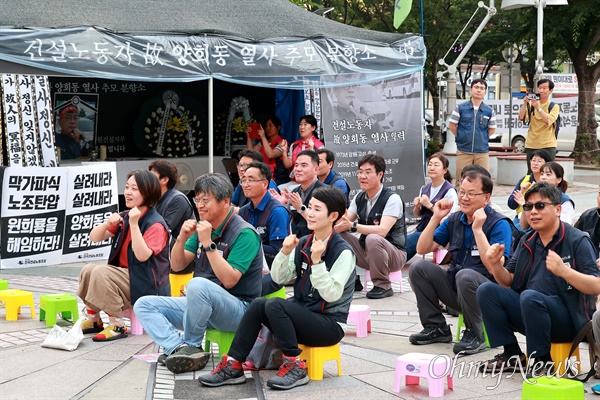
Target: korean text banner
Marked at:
285, 62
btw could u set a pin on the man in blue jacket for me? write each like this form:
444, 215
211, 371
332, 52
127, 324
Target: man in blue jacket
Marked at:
546, 291
473, 122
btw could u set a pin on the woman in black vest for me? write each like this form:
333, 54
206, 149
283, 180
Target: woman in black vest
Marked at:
322, 265
138, 264
440, 188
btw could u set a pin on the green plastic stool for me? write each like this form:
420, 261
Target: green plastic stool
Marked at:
280, 293
222, 339
545, 388
3, 284
52, 304
461, 324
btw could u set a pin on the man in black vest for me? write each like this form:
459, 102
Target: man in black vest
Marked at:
328, 176
229, 262
547, 289
247, 157
377, 213
305, 173
267, 215
468, 234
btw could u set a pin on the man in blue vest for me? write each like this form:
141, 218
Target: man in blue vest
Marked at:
328, 176
247, 157
468, 234
473, 122
229, 262
547, 290
270, 218
377, 214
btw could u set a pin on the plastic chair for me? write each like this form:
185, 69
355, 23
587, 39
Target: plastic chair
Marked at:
136, 325
52, 304
552, 388
13, 300
434, 368
361, 316
461, 324
280, 293
3, 284
315, 359
559, 353
178, 282
395, 276
222, 339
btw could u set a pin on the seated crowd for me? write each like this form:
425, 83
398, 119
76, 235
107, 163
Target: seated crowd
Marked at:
537, 275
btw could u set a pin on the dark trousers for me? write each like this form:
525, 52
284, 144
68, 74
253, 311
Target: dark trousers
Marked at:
290, 323
541, 318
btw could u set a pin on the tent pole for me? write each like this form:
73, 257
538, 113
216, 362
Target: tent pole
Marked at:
210, 126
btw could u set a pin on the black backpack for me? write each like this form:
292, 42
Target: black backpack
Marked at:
558, 119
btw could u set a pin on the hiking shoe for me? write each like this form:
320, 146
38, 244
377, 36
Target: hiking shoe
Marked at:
186, 359
227, 372
161, 359
358, 287
499, 365
88, 326
379, 293
292, 373
111, 332
539, 369
432, 334
469, 344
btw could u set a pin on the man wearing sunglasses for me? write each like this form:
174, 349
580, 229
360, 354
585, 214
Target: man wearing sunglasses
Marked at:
229, 260
468, 234
546, 289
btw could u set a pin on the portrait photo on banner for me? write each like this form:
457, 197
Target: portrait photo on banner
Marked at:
75, 123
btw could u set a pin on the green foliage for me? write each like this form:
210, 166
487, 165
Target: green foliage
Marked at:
432, 148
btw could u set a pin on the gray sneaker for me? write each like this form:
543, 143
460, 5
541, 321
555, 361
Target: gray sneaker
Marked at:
432, 334
228, 372
161, 359
186, 359
470, 343
292, 373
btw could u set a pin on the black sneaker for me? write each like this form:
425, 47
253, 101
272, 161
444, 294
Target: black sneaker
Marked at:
358, 287
161, 359
379, 293
500, 364
186, 359
292, 373
431, 334
227, 372
469, 343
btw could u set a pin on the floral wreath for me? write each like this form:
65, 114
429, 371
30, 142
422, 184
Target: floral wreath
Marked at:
238, 105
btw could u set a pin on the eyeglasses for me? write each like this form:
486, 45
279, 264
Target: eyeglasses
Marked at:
203, 201
365, 172
538, 206
471, 196
479, 87
242, 166
250, 181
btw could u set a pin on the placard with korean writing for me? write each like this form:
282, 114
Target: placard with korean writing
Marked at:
33, 215
10, 103
28, 125
382, 118
92, 198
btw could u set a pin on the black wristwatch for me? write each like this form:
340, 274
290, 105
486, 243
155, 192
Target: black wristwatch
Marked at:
211, 247
353, 229
303, 208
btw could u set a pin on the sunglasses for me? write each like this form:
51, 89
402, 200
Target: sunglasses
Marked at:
538, 206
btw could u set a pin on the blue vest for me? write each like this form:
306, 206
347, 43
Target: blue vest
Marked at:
249, 286
150, 277
472, 133
333, 178
299, 227
426, 213
304, 292
397, 234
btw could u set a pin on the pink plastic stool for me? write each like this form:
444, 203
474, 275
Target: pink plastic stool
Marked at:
414, 366
136, 326
361, 316
395, 276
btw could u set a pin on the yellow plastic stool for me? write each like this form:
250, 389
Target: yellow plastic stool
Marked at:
13, 300
559, 353
3, 284
316, 356
461, 324
52, 304
553, 388
222, 339
280, 293
178, 282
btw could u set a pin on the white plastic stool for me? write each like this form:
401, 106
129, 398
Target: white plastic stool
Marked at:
434, 368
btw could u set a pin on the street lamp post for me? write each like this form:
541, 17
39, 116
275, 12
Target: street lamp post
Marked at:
510, 54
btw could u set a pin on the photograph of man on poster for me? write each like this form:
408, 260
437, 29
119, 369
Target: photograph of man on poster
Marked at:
75, 124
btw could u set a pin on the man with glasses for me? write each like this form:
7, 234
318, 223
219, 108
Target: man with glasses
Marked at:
247, 157
377, 214
546, 289
468, 234
473, 122
270, 218
229, 262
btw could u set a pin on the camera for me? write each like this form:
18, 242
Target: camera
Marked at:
533, 96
